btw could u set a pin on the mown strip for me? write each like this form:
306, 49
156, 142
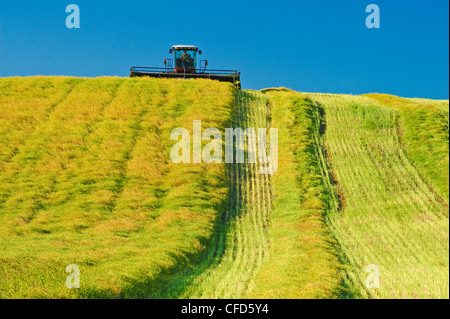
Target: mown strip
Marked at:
302, 261
424, 133
239, 244
392, 229
243, 243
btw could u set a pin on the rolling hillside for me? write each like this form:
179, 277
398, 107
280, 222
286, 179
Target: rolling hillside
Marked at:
363, 180
391, 214
86, 179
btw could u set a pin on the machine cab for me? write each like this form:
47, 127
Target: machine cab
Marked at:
185, 57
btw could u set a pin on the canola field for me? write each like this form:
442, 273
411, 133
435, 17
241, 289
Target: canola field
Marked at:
357, 208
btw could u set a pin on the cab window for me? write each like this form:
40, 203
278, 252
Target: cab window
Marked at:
185, 59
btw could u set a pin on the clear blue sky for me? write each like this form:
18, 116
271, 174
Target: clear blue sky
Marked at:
310, 46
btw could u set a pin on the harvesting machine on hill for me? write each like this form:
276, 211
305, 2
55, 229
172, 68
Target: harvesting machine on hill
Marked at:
186, 67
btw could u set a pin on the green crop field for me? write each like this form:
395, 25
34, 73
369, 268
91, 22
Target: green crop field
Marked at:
392, 214
86, 178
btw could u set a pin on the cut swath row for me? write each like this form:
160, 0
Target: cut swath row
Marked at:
392, 217
244, 240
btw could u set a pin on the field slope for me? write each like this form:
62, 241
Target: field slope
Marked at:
303, 261
86, 179
394, 205
361, 198
358, 208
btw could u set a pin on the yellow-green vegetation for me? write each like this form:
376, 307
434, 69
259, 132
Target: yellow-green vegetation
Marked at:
240, 245
245, 244
392, 214
86, 179
424, 132
302, 261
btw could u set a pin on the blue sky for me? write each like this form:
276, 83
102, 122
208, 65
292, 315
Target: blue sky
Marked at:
309, 46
